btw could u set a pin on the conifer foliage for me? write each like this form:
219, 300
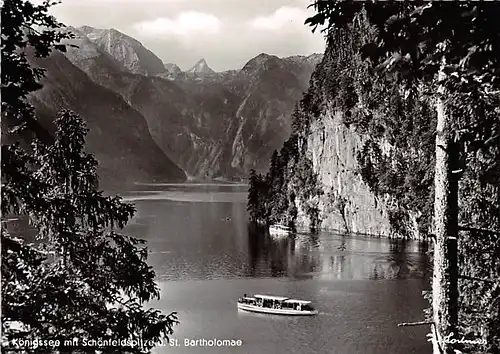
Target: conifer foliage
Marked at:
257, 198
80, 278
446, 55
273, 198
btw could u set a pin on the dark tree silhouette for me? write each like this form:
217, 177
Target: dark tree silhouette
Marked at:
81, 278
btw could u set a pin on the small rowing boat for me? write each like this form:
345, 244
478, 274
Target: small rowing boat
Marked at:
279, 230
276, 305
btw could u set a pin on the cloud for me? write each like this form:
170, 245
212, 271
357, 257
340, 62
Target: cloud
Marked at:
227, 33
185, 24
281, 18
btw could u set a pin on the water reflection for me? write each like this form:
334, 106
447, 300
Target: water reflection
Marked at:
214, 241
331, 256
199, 240
282, 257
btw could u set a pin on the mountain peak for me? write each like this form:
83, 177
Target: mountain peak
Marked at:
126, 50
259, 62
86, 28
201, 67
264, 56
171, 67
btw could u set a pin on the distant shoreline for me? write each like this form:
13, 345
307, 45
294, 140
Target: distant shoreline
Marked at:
194, 183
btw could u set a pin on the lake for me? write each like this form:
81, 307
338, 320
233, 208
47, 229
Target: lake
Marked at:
206, 256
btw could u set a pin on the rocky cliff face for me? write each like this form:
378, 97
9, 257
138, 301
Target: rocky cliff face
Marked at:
268, 88
354, 139
347, 204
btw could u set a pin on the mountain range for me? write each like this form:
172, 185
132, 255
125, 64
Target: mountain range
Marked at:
151, 121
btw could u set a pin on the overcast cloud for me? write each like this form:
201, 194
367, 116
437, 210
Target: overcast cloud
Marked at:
227, 33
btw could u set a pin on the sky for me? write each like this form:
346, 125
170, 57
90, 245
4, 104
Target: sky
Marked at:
226, 33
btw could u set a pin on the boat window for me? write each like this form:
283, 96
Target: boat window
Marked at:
247, 300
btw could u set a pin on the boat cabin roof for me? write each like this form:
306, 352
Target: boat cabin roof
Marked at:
280, 298
302, 302
249, 298
271, 297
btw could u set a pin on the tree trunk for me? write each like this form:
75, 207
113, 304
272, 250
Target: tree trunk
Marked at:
445, 274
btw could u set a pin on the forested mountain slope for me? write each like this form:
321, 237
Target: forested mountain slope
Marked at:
118, 134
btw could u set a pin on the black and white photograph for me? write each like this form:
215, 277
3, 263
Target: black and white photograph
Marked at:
250, 177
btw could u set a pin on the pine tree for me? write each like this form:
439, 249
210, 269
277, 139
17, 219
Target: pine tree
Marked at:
274, 167
84, 279
253, 196
274, 181
259, 201
81, 278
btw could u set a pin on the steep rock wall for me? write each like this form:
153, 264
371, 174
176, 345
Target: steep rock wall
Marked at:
364, 161
347, 204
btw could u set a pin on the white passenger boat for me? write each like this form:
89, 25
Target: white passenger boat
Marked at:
276, 305
279, 230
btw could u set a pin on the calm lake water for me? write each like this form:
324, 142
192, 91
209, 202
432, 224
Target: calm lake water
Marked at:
206, 256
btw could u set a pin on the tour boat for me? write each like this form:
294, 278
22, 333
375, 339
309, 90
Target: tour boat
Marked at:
276, 305
279, 230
